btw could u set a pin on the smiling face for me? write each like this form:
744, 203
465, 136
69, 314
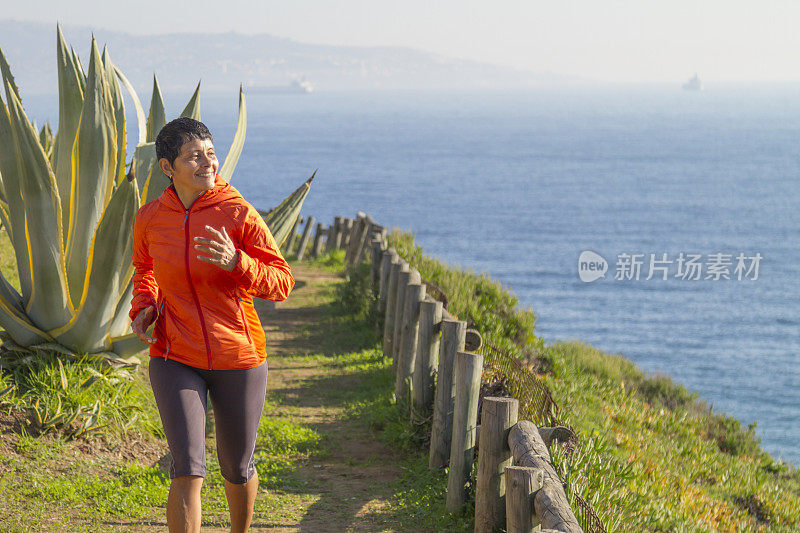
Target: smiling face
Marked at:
194, 169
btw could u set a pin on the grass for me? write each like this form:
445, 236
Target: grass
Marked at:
652, 456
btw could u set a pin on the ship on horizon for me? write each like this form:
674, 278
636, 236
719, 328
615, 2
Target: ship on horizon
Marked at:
296, 86
694, 84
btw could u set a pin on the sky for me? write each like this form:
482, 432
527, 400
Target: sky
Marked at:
605, 40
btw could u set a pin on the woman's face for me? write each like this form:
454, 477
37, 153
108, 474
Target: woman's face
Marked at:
195, 167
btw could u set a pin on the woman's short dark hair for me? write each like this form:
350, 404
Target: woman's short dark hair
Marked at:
175, 134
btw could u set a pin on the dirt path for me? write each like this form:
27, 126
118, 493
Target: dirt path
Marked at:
350, 484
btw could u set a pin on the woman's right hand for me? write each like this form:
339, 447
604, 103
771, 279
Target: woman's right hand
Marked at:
142, 322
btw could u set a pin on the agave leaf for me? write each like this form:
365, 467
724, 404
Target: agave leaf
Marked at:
46, 140
12, 184
119, 119
5, 69
128, 345
76, 61
280, 220
157, 118
57, 348
144, 158
5, 220
140, 120
121, 322
10, 294
18, 326
49, 305
94, 158
238, 141
70, 102
192, 109
88, 331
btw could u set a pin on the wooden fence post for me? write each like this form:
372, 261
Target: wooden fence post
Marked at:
388, 257
301, 248
415, 293
403, 279
334, 234
453, 333
391, 306
376, 256
550, 502
316, 250
354, 240
292, 235
498, 415
365, 237
427, 360
469, 367
347, 228
522, 482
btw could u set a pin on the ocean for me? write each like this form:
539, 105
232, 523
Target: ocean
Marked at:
520, 184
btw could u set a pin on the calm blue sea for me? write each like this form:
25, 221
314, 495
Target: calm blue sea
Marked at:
518, 184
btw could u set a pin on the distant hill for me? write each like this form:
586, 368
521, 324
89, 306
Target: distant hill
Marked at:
224, 60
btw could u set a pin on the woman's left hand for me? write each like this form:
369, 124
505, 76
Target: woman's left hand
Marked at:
221, 250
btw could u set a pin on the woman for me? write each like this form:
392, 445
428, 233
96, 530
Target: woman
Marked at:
200, 253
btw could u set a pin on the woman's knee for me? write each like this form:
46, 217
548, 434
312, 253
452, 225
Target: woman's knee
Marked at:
236, 471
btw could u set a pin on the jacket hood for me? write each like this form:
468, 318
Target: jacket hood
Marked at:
221, 192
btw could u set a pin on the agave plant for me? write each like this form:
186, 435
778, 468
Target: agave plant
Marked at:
68, 201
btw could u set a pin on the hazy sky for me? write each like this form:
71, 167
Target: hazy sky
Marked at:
612, 40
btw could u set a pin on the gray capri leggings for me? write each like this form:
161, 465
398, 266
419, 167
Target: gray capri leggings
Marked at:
238, 400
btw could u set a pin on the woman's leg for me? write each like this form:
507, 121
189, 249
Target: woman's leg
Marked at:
241, 502
180, 394
238, 399
183, 504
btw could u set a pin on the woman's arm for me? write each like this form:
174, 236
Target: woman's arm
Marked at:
261, 269
145, 289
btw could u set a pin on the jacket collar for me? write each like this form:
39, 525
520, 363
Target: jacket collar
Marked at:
222, 190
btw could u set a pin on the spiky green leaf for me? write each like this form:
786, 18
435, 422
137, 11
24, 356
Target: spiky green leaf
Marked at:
192, 109
156, 118
94, 158
280, 220
88, 331
49, 305
238, 141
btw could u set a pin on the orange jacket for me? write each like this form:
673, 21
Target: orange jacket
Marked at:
205, 315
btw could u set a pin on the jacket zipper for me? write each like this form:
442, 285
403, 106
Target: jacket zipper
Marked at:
244, 320
194, 293
160, 314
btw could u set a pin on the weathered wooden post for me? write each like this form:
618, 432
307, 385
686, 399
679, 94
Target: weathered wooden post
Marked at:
522, 482
354, 240
387, 258
391, 306
453, 334
550, 502
415, 293
376, 247
469, 367
498, 416
334, 233
292, 235
366, 235
403, 279
318, 240
301, 248
424, 384
347, 228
